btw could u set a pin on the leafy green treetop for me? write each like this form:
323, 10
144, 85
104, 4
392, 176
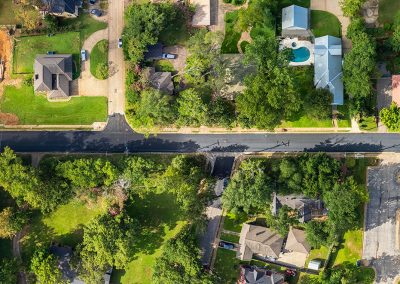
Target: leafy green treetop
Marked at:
45, 268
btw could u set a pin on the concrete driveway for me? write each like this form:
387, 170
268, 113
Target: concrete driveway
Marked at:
88, 85
333, 7
181, 53
380, 226
116, 86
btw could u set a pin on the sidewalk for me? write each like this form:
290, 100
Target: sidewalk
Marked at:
96, 126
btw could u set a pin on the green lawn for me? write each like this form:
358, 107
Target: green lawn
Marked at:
234, 223
226, 266
7, 16
303, 120
351, 248
320, 254
64, 225
164, 65
86, 25
344, 119
26, 49
229, 45
388, 10
324, 23
34, 109
285, 3
98, 55
368, 124
161, 220
229, 238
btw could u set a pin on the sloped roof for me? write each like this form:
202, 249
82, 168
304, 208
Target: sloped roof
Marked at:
153, 52
296, 241
295, 18
305, 206
259, 240
161, 81
61, 6
328, 66
254, 275
53, 74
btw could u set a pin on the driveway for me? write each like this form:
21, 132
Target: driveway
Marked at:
88, 85
181, 53
333, 7
380, 224
116, 86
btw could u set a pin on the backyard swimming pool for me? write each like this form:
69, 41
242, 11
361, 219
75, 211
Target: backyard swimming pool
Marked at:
300, 54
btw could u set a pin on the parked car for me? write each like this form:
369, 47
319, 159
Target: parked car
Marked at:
50, 52
226, 245
96, 12
92, 2
290, 272
83, 55
226, 181
119, 42
168, 56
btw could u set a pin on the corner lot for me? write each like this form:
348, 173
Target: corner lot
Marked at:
380, 224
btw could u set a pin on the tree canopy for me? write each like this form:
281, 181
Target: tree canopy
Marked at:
11, 221
45, 268
391, 117
8, 271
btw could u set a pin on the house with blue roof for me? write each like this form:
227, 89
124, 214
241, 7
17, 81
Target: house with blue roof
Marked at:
328, 66
295, 21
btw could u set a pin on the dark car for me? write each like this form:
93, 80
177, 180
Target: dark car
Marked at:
92, 2
51, 52
226, 245
96, 12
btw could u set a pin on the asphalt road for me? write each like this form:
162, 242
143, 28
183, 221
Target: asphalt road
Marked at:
119, 138
380, 225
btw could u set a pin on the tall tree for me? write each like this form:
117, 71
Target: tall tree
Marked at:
8, 271
249, 189
45, 268
258, 13
180, 262
391, 117
11, 221
192, 109
270, 95
107, 242
318, 233
143, 23
351, 8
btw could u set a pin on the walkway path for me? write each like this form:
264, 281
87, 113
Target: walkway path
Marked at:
88, 85
16, 251
332, 6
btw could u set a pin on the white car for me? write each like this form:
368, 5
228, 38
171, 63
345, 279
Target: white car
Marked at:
168, 56
83, 55
120, 43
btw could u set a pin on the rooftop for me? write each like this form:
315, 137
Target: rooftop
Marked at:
295, 18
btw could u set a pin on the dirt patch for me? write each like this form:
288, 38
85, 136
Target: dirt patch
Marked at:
8, 119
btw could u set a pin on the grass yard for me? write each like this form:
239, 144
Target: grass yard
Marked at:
344, 119
320, 254
388, 10
161, 220
98, 57
87, 25
226, 266
64, 225
26, 49
7, 16
368, 124
34, 109
324, 23
229, 45
234, 223
164, 65
302, 120
229, 238
351, 248
285, 3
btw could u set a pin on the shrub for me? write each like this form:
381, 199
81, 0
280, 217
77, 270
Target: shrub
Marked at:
102, 71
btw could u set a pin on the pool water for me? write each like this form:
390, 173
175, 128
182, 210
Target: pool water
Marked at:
300, 54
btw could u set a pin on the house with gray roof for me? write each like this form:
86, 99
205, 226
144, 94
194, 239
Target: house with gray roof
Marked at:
258, 240
306, 208
295, 21
296, 241
161, 81
328, 66
53, 74
255, 275
62, 8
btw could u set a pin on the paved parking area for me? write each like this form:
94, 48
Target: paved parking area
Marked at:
380, 225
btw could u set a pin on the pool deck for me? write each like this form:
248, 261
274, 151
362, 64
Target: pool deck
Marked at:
287, 43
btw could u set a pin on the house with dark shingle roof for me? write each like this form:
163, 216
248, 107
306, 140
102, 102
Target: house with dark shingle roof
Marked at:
258, 240
53, 74
62, 8
161, 81
255, 275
